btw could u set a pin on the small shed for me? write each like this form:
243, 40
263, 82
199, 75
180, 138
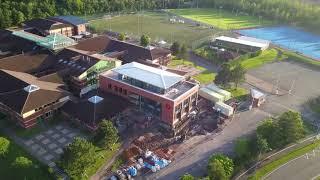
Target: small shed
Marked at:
211, 95
257, 98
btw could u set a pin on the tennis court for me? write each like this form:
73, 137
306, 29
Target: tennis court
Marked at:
290, 38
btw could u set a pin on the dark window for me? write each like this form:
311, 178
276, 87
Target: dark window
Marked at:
120, 90
109, 86
116, 88
125, 92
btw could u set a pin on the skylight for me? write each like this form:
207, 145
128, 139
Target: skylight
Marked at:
95, 99
31, 88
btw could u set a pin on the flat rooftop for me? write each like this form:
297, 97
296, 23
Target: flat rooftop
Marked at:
242, 41
147, 74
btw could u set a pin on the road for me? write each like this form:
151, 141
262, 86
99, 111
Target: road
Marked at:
306, 167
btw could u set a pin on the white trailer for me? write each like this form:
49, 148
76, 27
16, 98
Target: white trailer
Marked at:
226, 94
224, 109
211, 95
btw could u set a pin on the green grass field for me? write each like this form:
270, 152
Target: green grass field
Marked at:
282, 160
37, 172
221, 19
205, 77
156, 25
265, 57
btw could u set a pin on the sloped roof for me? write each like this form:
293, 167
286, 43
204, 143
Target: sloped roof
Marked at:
154, 76
45, 24
14, 95
74, 20
133, 52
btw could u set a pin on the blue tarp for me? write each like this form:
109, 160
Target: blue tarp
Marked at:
289, 38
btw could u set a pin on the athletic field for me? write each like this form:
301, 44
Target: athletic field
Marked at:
222, 19
156, 25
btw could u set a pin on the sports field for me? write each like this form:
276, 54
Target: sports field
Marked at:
222, 19
156, 25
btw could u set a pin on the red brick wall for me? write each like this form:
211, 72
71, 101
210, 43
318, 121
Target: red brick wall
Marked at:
167, 105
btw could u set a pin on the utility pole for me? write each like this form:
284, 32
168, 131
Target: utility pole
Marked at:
292, 86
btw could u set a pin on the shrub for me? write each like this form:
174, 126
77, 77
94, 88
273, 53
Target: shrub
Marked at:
4, 146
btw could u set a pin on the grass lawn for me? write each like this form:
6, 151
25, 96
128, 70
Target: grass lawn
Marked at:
292, 56
117, 164
286, 158
266, 56
104, 155
37, 172
156, 25
205, 77
239, 93
314, 105
221, 19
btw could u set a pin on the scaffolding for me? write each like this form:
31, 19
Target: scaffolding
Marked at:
52, 42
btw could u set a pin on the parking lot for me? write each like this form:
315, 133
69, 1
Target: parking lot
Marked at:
194, 153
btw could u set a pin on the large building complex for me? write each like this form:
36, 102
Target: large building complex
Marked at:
164, 95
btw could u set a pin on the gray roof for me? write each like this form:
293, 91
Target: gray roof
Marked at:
74, 20
154, 76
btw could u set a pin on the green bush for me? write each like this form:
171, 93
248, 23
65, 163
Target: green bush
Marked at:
4, 146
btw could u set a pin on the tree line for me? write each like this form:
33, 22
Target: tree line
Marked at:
289, 11
14, 12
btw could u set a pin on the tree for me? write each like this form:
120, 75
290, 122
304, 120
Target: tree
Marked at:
214, 167
291, 127
122, 37
262, 144
187, 176
238, 74
144, 40
183, 52
270, 131
4, 146
22, 162
77, 157
242, 149
216, 170
107, 134
224, 75
175, 48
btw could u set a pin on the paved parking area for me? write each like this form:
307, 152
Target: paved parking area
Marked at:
48, 145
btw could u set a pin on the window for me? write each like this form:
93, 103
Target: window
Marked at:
120, 90
125, 92
109, 86
116, 88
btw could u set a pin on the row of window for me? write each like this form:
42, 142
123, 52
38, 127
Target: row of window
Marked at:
42, 107
118, 89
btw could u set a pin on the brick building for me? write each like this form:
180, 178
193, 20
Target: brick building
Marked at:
166, 96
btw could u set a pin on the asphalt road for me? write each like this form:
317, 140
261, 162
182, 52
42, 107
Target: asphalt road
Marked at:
306, 167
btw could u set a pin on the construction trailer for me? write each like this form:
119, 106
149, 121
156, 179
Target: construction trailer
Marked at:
215, 88
211, 95
224, 109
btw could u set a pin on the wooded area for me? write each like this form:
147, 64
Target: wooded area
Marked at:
14, 12
283, 11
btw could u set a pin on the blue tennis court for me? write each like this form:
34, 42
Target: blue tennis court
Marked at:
289, 38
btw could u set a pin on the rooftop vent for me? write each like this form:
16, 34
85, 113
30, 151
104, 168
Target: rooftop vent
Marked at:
150, 47
31, 88
95, 99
